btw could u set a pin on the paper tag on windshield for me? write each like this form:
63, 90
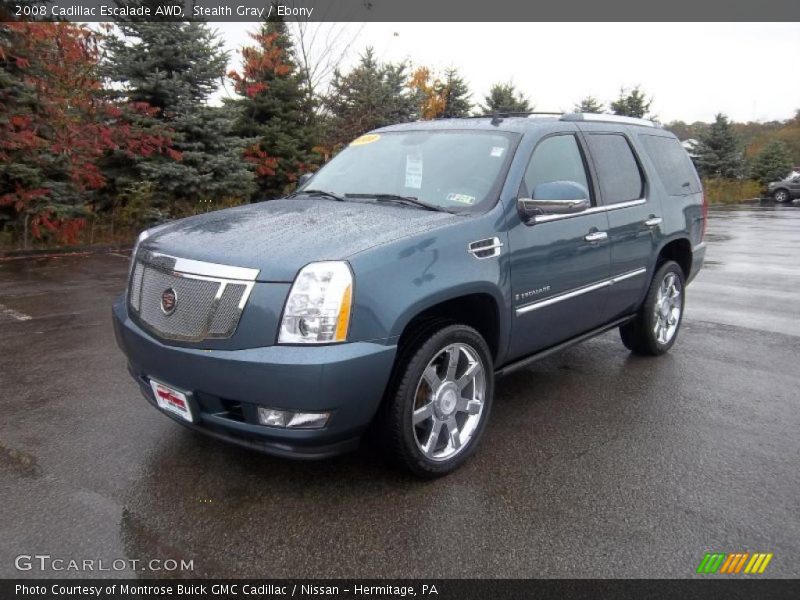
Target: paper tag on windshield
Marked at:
414, 171
497, 151
461, 198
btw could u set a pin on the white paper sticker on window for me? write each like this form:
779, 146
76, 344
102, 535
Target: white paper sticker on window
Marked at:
461, 198
414, 171
497, 151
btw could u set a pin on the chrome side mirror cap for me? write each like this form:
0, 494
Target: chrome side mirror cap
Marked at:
530, 209
554, 198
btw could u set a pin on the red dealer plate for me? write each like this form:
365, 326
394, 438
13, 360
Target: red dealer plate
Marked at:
172, 400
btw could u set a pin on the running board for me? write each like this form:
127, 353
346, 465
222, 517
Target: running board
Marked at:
524, 362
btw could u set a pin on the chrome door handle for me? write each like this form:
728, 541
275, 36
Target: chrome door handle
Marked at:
596, 236
653, 221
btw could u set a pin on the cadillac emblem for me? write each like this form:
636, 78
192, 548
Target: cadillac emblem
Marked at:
169, 300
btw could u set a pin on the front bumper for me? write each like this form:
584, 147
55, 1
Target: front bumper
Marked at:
227, 386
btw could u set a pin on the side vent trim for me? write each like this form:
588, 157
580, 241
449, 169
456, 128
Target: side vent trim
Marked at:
487, 248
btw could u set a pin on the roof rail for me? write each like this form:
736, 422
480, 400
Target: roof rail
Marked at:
603, 118
505, 115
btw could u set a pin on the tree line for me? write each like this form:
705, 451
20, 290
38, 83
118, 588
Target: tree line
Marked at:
112, 127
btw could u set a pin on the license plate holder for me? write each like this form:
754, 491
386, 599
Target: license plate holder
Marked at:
172, 401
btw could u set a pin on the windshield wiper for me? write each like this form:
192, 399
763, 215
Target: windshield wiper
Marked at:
410, 200
317, 194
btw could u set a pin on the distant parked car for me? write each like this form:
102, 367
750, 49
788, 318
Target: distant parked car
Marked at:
785, 190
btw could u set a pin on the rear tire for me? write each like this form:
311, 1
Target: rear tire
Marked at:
438, 407
655, 328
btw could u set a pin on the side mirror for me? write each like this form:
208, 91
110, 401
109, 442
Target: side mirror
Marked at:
303, 179
554, 198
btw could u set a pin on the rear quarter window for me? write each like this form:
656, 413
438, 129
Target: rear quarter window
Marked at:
672, 163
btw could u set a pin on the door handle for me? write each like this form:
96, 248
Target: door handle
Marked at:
653, 221
596, 236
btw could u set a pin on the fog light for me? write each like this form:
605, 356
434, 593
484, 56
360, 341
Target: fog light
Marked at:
291, 419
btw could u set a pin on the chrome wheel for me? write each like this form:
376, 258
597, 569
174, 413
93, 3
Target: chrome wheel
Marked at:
449, 402
667, 308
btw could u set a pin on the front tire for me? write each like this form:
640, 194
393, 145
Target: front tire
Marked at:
437, 411
781, 196
655, 328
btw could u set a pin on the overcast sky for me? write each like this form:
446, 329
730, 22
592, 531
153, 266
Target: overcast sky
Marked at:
749, 71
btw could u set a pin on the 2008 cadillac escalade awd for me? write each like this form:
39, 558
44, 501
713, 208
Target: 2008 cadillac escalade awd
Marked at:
396, 284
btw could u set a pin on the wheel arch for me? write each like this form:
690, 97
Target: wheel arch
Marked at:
679, 250
479, 309
782, 189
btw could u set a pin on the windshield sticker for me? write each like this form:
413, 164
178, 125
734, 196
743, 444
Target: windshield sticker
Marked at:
414, 171
365, 139
497, 151
461, 198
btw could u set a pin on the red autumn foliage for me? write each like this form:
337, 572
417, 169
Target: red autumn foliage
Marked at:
260, 62
266, 165
60, 124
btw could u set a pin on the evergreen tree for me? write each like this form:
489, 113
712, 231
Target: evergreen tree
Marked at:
456, 95
504, 98
632, 103
718, 153
56, 126
371, 95
590, 104
275, 112
773, 163
174, 67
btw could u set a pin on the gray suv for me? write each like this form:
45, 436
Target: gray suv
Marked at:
424, 261
785, 190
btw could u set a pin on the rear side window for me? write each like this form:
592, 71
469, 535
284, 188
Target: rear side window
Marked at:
617, 170
556, 158
673, 165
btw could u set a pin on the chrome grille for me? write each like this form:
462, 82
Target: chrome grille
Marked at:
206, 306
223, 324
136, 286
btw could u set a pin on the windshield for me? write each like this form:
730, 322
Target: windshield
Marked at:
453, 170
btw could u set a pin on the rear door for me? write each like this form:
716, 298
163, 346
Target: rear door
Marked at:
794, 186
634, 216
555, 269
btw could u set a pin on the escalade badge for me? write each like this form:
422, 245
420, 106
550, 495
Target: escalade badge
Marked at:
169, 299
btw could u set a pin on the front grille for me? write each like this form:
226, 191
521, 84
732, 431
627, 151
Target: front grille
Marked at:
204, 306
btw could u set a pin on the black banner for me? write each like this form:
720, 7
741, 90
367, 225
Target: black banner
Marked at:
438, 589
398, 11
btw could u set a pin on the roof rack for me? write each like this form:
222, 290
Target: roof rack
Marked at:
588, 117
603, 118
498, 117
504, 115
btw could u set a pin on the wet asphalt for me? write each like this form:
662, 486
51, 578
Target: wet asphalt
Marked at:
595, 463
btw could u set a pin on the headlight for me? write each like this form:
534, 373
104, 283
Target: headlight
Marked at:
142, 237
317, 310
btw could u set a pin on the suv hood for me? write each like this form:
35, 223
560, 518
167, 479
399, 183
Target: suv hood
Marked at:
279, 237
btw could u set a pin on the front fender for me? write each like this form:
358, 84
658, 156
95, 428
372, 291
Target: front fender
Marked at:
396, 282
